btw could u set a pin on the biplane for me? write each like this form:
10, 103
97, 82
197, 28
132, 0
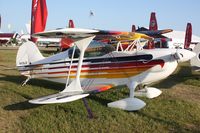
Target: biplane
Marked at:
92, 66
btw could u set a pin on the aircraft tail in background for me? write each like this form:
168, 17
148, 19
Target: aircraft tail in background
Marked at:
66, 43
71, 24
153, 22
188, 36
0, 21
133, 28
38, 17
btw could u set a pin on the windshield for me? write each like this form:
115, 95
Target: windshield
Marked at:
94, 49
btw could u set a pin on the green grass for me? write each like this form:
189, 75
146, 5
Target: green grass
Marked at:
176, 110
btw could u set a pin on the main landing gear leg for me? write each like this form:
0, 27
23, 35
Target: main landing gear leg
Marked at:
131, 103
24, 82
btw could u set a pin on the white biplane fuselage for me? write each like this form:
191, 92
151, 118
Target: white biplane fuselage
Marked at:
117, 67
87, 70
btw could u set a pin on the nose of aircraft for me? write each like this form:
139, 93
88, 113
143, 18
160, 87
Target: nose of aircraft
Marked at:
184, 55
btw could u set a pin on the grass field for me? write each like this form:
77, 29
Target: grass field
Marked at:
176, 110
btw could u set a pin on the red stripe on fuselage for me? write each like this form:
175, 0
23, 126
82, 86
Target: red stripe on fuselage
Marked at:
108, 66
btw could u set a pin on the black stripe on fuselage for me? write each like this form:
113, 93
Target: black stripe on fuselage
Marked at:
146, 57
113, 59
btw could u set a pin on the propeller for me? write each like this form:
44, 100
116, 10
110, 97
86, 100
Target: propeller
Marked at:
183, 55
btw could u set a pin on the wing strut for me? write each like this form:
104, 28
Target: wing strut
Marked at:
70, 66
76, 84
73, 91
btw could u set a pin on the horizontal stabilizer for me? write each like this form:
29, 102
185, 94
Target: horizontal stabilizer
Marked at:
164, 31
62, 97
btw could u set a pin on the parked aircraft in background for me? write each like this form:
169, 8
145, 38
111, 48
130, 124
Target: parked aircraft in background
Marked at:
39, 12
181, 38
8, 38
187, 43
168, 38
40, 7
154, 32
173, 39
66, 43
0, 21
63, 43
153, 28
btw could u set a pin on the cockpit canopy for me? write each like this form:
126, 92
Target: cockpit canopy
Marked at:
94, 49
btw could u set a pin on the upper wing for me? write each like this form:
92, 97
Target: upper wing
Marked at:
120, 36
73, 33
77, 34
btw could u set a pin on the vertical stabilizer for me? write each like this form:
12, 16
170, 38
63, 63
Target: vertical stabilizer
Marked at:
38, 17
0, 21
71, 24
188, 36
133, 28
153, 22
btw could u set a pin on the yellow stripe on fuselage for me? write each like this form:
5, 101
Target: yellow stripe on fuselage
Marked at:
113, 75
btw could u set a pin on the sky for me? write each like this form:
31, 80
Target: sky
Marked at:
108, 14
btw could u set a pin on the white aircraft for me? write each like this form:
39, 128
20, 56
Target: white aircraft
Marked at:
191, 42
48, 42
195, 61
6, 38
54, 42
99, 66
167, 37
178, 38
